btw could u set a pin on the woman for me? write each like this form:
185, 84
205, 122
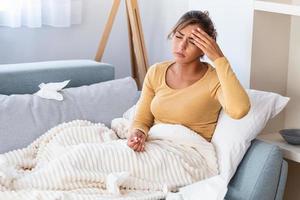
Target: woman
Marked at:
188, 91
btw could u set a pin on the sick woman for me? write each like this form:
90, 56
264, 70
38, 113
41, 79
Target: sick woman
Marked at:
187, 90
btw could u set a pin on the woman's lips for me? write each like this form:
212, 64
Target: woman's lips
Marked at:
180, 54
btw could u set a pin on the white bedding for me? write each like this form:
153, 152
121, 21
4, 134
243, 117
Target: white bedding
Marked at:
82, 160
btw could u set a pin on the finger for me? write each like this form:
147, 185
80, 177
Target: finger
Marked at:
130, 146
199, 35
143, 147
131, 140
208, 39
135, 146
205, 35
207, 49
139, 138
134, 139
201, 46
197, 40
139, 148
130, 143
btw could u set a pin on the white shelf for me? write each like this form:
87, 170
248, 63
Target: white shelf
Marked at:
291, 152
281, 8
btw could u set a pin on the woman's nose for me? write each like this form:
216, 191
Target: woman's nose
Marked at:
182, 45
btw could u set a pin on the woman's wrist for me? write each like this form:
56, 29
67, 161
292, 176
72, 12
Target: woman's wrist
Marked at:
142, 131
218, 57
220, 61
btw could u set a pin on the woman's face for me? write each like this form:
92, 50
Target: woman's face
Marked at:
183, 48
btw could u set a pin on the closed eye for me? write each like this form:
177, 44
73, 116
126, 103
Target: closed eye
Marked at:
190, 39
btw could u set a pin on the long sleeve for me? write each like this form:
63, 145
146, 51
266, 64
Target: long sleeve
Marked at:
228, 90
143, 118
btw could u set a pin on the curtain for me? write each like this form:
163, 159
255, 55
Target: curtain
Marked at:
35, 13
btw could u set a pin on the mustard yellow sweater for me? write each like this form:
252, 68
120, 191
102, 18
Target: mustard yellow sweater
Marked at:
196, 106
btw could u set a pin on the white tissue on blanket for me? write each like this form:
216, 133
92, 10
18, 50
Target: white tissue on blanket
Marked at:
50, 90
114, 181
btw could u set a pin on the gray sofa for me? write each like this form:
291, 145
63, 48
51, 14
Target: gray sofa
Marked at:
261, 174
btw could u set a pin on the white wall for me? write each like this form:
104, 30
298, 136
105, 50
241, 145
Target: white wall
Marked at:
270, 55
292, 116
233, 20
158, 18
77, 42
81, 41
292, 112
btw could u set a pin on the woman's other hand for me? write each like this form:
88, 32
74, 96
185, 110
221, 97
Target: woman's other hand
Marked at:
136, 140
207, 44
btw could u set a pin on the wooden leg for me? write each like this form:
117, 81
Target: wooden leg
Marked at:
107, 30
138, 41
138, 55
139, 26
134, 72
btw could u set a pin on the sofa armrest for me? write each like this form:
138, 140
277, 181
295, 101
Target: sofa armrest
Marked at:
282, 181
259, 174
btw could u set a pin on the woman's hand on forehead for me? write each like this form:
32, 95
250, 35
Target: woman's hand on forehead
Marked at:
206, 43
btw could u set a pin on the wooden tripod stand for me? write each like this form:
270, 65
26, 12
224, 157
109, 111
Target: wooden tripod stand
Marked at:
138, 55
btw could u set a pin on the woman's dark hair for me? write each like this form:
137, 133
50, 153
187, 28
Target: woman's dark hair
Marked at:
195, 17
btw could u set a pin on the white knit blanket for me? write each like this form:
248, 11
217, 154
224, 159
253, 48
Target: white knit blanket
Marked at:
83, 160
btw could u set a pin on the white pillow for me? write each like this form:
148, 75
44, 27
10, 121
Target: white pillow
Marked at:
233, 137
129, 114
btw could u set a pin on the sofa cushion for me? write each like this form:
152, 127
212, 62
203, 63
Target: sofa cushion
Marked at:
23, 118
